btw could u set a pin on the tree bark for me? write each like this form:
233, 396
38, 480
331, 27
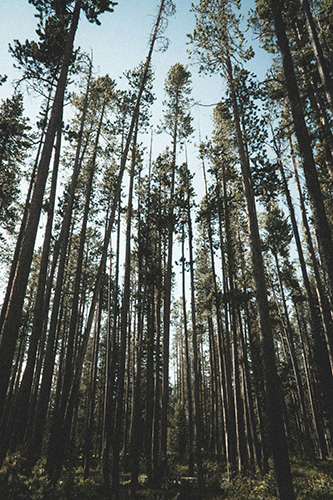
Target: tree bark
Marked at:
274, 407
21, 414
188, 366
322, 65
10, 327
196, 358
320, 222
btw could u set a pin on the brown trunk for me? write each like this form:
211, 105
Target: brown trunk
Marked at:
157, 388
323, 68
274, 407
214, 442
326, 352
295, 366
167, 299
24, 219
239, 416
320, 222
21, 414
73, 327
122, 348
188, 366
92, 393
315, 323
10, 327
111, 361
228, 409
196, 358
253, 443
317, 422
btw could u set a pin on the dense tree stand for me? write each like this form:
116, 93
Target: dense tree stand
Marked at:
166, 326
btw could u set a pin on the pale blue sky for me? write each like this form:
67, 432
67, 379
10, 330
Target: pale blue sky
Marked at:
119, 44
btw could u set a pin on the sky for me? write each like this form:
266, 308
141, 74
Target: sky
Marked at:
120, 44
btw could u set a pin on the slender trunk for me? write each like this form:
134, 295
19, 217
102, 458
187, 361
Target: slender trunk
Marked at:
273, 395
196, 360
157, 388
320, 222
313, 304
326, 352
73, 327
188, 365
294, 363
21, 415
48, 368
144, 236
228, 409
24, 219
123, 334
323, 67
214, 441
323, 358
135, 434
315, 322
92, 393
317, 420
167, 298
321, 119
111, 359
12, 319
253, 443
239, 416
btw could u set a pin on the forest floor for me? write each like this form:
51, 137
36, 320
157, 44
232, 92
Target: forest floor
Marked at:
311, 482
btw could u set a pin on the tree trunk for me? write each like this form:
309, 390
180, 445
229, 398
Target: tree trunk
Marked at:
320, 222
315, 323
20, 417
167, 300
326, 352
92, 393
274, 407
24, 220
73, 327
323, 68
196, 359
295, 367
123, 332
111, 361
188, 366
228, 408
10, 327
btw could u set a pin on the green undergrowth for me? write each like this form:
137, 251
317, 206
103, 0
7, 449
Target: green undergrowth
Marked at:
311, 482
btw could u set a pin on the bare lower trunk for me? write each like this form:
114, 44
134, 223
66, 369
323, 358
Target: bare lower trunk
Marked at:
12, 318
273, 396
320, 222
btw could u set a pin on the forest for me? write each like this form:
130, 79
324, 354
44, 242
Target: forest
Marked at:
162, 338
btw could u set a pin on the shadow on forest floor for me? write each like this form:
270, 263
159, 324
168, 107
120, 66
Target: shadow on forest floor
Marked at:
310, 482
